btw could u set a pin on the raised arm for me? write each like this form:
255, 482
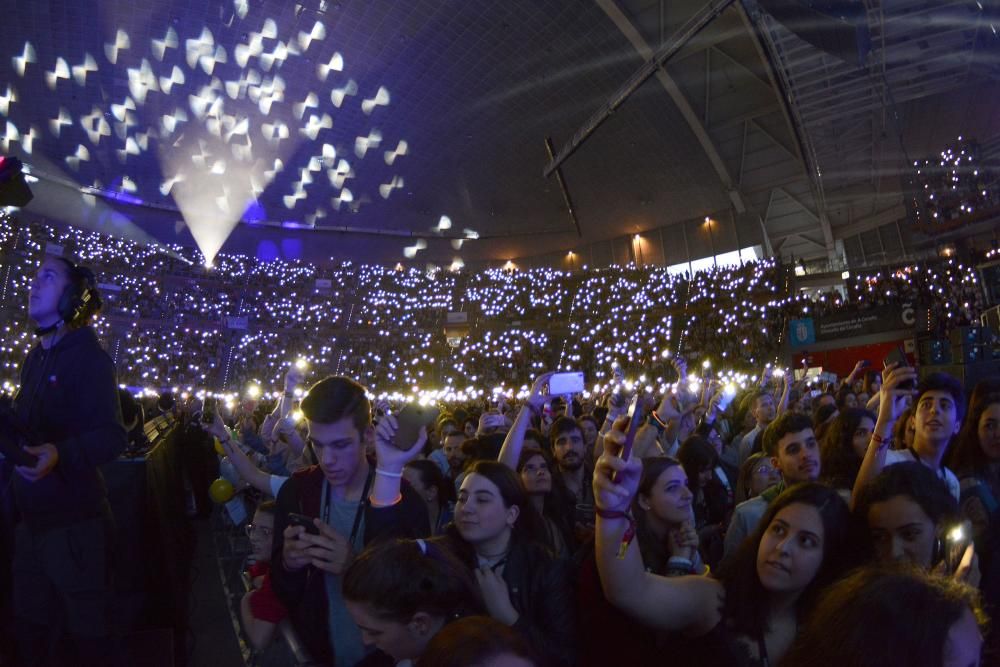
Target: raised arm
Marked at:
617, 403
786, 380
891, 405
510, 452
253, 475
688, 603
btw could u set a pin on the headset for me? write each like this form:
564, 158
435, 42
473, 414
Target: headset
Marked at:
78, 294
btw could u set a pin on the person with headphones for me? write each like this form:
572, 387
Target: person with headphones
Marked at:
68, 403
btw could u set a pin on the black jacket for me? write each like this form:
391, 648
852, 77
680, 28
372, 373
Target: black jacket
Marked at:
69, 398
541, 590
304, 592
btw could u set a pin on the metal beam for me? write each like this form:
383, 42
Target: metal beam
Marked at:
812, 214
763, 33
634, 37
694, 25
883, 217
564, 190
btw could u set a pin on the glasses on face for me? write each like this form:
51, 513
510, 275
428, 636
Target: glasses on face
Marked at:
763, 470
263, 531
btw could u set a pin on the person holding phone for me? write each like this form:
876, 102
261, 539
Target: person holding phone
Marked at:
351, 502
746, 614
669, 546
910, 514
939, 406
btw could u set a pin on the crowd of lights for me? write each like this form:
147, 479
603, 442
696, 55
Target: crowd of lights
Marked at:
171, 323
953, 185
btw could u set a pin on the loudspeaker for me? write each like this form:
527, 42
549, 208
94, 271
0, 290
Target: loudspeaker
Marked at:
969, 353
839, 27
969, 335
934, 351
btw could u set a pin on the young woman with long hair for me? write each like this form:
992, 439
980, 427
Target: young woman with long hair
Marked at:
749, 612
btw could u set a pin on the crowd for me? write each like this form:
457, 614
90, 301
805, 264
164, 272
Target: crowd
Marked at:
953, 185
777, 526
244, 318
691, 499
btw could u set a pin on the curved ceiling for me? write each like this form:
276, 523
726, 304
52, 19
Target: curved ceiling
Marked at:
417, 130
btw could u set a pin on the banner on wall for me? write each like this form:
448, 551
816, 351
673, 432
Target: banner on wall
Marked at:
881, 319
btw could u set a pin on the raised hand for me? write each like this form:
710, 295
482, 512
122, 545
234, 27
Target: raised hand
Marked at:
390, 458
617, 495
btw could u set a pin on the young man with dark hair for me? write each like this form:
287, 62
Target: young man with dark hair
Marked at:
351, 502
451, 445
69, 401
763, 409
569, 451
794, 451
938, 411
588, 426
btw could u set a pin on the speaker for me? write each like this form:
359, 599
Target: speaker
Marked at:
839, 27
934, 351
969, 353
968, 335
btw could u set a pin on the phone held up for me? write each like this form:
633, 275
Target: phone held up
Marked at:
208, 410
897, 356
563, 384
410, 420
634, 422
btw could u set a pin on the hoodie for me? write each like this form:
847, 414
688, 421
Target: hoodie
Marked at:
69, 398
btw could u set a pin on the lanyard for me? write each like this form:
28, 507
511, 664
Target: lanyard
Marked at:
325, 505
762, 647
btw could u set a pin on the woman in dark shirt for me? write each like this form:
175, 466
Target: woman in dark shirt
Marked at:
497, 535
747, 614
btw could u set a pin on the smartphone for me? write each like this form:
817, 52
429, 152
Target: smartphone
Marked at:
728, 394
562, 384
410, 419
956, 541
634, 421
304, 521
208, 410
897, 356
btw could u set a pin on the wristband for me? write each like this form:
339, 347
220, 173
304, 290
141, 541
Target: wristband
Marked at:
679, 564
629, 533
880, 441
397, 499
386, 473
656, 418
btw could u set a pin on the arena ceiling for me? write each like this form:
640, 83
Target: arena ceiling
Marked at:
416, 130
